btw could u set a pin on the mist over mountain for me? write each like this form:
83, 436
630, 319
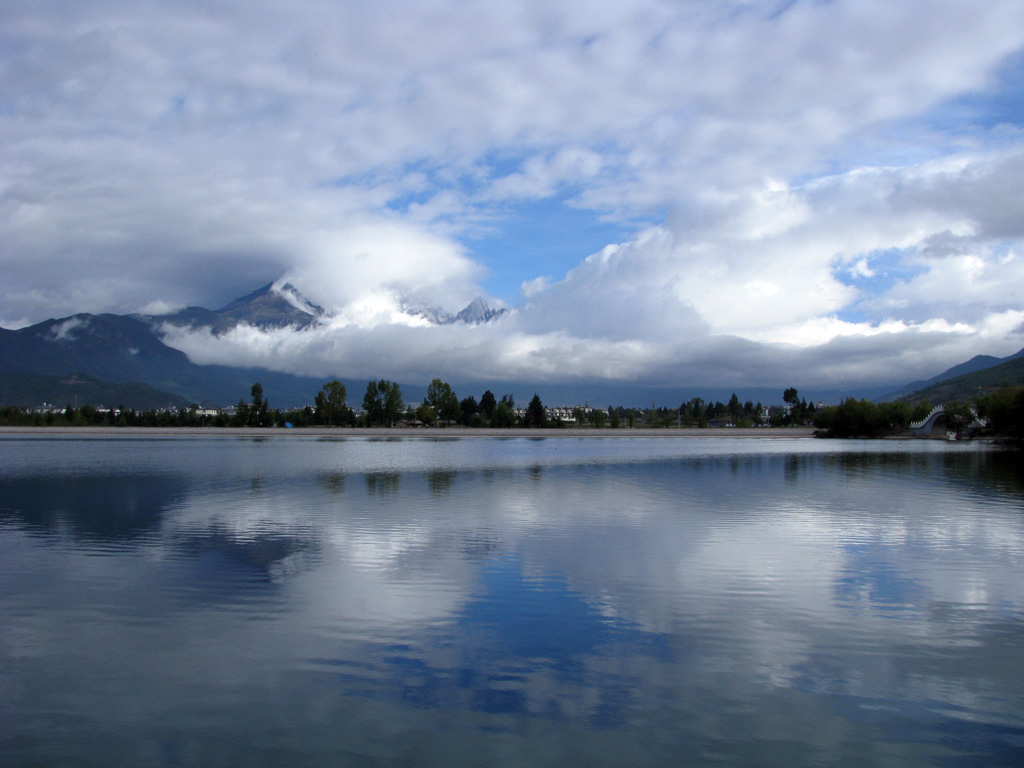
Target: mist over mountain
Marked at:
284, 306
121, 349
138, 349
476, 312
106, 350
266, 307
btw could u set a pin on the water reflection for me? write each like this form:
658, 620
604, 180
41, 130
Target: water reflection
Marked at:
111, 507
383, 483
333, 482
440, 482
755, 607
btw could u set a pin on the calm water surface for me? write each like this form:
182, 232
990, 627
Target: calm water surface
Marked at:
222, 601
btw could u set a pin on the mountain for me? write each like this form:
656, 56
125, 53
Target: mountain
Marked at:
267, 307
127, 349
32, 389
284, 306
476, 312
123, 350
971, 382
108, 351
976, 363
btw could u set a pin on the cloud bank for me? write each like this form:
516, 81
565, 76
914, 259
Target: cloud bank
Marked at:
828, 194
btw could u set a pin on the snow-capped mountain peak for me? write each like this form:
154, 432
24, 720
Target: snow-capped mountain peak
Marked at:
476, 312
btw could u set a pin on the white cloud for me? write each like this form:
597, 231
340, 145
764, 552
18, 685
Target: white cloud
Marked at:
817, 186
66, 329
351, 269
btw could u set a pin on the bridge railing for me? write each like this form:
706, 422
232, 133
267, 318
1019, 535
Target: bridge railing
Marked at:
929, 419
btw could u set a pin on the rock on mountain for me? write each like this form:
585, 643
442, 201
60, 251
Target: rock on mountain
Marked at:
479, 311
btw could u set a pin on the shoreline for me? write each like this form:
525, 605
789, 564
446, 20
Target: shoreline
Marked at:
418, 434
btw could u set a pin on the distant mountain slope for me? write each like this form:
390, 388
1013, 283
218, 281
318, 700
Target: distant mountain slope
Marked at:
109, 347
122, 350
113, 350
970, 385
30, 389
976, 363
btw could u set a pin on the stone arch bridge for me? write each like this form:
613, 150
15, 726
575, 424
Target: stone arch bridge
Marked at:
924, 427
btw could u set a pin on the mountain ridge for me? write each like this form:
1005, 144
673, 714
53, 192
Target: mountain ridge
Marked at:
128, 349
274, 306
115, 351
976, 363
266, 308
478, 311
28, 390
967, 386
122, 349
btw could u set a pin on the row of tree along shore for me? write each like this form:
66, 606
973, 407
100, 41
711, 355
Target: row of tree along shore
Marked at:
383, 406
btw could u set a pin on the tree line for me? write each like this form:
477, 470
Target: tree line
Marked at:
383, 406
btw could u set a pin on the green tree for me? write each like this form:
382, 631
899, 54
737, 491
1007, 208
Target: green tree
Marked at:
393, 405
852, 418
469, 408
535, 415
426, 413
329, 405
920, 411
241, 414
259, 410
443, 400
488, 404
958, 416
503, 416
383, 402
373, 404
1004, 410
896, 416
734, 407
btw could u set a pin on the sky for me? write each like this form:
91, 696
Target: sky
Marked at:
725, 192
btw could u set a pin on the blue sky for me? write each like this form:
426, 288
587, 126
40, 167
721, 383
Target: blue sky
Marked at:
733, 192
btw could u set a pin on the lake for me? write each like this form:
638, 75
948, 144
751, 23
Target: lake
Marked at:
244, 601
